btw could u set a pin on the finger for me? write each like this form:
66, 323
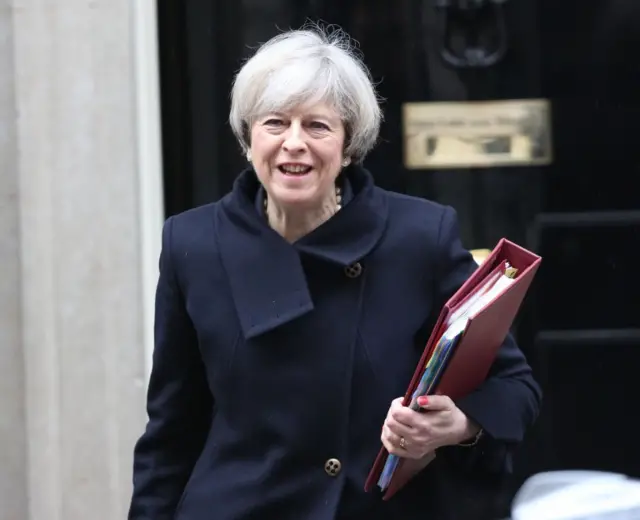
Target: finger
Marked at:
405, 416
388, 446
396, 404
393, 449
435, 403
391, 442
399, 429
391, 436
386, 442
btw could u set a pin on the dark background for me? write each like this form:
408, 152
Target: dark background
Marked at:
580, 325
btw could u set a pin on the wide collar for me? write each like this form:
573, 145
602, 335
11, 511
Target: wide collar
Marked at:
265, 272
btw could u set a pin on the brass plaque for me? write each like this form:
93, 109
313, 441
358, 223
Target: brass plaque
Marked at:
471, 134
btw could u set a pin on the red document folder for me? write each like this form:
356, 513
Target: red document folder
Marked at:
476, 350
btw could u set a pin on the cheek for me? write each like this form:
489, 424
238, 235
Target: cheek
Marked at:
332, 155
263, 147
260, 160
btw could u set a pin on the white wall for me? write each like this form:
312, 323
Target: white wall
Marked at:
80, 217
13, 491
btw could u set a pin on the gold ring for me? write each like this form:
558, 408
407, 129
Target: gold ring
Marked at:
403, 443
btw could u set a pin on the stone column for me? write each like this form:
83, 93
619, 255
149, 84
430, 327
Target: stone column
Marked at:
13, 475
80, 249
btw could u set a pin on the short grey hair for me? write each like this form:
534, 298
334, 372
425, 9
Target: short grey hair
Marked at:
308, 65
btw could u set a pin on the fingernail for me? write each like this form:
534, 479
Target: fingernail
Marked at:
423, 400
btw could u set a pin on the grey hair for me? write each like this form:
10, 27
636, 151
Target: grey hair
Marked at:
308, 65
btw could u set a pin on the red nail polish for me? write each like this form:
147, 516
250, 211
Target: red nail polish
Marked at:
423, 400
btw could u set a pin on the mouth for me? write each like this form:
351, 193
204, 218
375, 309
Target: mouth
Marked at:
295, 170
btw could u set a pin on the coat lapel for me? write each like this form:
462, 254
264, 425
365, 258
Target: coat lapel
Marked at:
265, 272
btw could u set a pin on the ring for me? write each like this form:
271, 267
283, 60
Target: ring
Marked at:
403, 443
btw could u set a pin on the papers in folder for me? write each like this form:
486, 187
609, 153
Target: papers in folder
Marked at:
501, 278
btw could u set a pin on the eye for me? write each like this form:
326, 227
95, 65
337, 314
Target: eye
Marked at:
318, 125
273, 122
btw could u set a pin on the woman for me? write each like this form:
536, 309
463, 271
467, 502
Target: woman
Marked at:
291, 314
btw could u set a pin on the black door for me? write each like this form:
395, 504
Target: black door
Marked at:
580, 326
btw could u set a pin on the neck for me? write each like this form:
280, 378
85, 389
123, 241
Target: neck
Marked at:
293, 224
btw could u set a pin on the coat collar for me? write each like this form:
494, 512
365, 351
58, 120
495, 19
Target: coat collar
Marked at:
265, 272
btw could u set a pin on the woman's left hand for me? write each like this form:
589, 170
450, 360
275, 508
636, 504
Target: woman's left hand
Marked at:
441, 424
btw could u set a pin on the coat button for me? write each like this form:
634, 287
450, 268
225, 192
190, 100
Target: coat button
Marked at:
353, 270
332, 467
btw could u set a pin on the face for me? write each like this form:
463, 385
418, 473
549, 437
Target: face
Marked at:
298, 155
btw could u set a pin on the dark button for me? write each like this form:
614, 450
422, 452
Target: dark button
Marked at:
353, 270
332, 467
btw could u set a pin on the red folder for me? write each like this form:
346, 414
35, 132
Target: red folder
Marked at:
476, 350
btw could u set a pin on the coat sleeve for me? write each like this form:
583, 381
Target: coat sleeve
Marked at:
179, 403
508, 402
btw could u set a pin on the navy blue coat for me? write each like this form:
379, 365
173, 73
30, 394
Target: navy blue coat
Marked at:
270, 359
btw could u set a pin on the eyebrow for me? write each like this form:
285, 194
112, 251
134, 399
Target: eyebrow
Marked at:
330, 119
314, 115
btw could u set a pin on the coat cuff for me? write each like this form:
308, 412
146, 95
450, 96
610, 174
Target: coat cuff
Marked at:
497, 408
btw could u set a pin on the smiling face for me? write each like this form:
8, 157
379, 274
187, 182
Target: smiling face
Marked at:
298, 155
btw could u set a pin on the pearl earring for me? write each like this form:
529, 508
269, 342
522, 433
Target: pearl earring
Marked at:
346, 162
249, 155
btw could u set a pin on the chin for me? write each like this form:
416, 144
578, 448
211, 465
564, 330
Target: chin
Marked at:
298, 196
297, 201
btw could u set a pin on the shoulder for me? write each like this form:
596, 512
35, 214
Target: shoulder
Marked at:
188, 243
195, 216
400, 204
417, 218
190, 231
191, 223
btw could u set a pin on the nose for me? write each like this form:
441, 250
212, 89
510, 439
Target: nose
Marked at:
294, 138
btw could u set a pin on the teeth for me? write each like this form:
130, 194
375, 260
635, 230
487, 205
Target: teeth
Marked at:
295, 169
